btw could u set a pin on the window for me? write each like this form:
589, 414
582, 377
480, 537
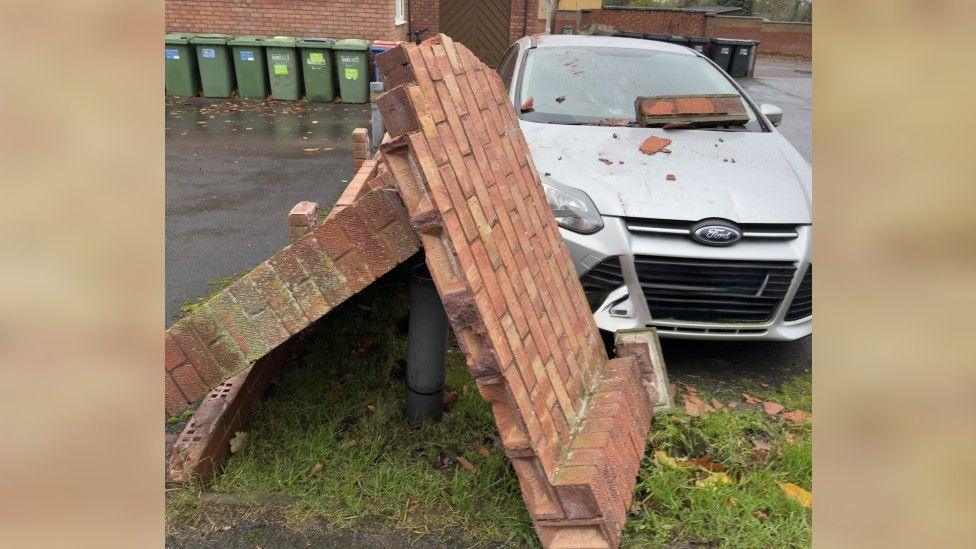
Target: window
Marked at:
398, 16
506, 67
600, 83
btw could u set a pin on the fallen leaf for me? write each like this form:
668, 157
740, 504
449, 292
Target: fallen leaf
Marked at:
796, 416
236, 443
528, 105
371, 408
796, 493
704, 463
316, 469
695, 407
760, 445
466, 464
606, 161
654, 144
450, 397
671, 177
751, 399
225, 528
464, 390
714, 479
560, 99
733, 405
484, 451
661, 458
672, 390
772, 408
761, 515
766, 385
413, 502
311, 149
716, 404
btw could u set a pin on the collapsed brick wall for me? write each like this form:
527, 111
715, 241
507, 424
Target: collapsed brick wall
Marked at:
283, 295
369, 19
572, 421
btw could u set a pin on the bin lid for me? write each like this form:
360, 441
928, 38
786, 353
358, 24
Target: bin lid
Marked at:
280, 41
351, 44
730, 41
383, 45
655, 36
325, 43
210, 39
246, 41
699, 39
178, 38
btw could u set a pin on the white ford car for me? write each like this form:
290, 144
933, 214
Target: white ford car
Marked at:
712, 240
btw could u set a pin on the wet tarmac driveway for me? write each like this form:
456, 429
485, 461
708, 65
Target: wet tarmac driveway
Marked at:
233, 171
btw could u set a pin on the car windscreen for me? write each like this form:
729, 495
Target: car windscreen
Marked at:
598, 85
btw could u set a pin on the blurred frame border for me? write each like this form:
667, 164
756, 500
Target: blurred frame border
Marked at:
81, 285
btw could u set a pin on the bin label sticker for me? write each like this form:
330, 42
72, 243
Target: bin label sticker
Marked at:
247, 55
209, 53
349, 58
173, 54
743, 51
316, 58
281, 57
724, 51
351, 74
699, 47
281, 70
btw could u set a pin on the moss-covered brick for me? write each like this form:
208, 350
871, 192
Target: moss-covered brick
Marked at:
243, 331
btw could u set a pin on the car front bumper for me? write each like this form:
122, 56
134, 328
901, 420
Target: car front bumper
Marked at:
626, 306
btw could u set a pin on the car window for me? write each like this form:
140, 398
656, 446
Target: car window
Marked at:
506, 68
594, 85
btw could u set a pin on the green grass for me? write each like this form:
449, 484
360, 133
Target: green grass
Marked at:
340, 406
215, 286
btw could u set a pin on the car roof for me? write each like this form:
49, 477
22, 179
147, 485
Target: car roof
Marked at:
571, 40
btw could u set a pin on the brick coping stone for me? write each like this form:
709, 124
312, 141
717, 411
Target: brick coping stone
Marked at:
573, 421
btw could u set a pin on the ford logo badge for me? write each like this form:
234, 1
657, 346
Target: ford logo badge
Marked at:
715, 232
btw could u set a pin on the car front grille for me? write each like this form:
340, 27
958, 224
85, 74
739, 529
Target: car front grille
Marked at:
715, 291
802, 305
668, 227
602, 279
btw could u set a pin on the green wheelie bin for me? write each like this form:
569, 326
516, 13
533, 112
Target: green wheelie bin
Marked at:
216, 68
182, 78
283, 68
352, 66
317, 67
250, 66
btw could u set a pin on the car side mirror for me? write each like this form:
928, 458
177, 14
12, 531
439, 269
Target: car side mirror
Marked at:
772, 112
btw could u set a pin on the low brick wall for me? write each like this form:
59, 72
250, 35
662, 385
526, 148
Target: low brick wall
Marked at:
775, 37
648, 20
369, 19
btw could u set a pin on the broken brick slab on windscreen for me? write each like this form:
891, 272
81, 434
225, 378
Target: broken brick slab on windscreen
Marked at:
572, 421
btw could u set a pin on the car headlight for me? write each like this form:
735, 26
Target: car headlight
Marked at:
572, 208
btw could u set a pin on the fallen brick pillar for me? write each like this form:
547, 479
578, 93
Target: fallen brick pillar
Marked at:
283, 295
572, 421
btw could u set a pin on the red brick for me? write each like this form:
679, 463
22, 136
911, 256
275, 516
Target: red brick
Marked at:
530, 315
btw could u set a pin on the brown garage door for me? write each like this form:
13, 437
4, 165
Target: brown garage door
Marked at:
481, 25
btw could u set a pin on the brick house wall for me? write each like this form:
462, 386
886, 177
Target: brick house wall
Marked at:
369, 19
